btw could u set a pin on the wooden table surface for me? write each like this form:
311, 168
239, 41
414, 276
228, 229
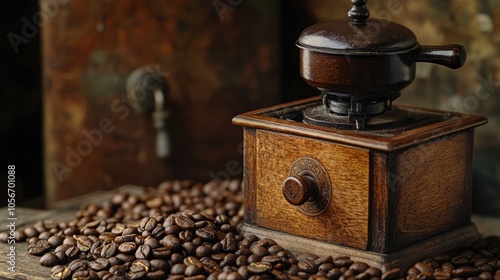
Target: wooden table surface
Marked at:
28, 267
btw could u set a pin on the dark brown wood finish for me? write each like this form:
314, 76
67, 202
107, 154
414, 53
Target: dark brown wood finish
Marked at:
345, 221
388, 141
418, 180
379, 201
431, 192
249, 180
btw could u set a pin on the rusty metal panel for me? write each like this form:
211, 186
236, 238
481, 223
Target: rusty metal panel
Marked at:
220, 58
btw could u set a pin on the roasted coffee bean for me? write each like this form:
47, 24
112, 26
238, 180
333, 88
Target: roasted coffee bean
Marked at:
190, 260
392, 274
71, 231
197, 241
20, 236
133, 275
140, 265
241, 260
84, 275
139, 239
109, 250
440, 274
125, 258
178, 269
186, 236
176, 258
49, 259
90, 231
326, 267
424, 267
158, 232
229, 259
125, 238
107, 236
172, 229
39, 248
235, 276
127, 247
203, 251
206, 233
156, 275
62, 273
78, 264
44, 235
192, 270
210, 265
334, 273
62, 257
485, 276
99, 264
152, 242
485, 268
359, 267
259, 267
30, 232
70, 241
119, 270
343, 262
197, 277
465, 272
157, 264
460, 261
61, 248
32, 240
147, 224
259, 251
184, 222
348, 273
373, 271
114, 261
83, 243
55, 240
171, 242
447, 266
307, 266
161, 253
143, 252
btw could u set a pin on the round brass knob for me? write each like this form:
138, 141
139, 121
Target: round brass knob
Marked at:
299, 189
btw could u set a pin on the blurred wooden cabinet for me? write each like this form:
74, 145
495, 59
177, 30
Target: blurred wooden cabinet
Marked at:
220, 58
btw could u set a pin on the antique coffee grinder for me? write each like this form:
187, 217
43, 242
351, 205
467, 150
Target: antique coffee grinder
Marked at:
350, 174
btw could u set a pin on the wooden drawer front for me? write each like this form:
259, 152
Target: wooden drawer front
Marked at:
345, 221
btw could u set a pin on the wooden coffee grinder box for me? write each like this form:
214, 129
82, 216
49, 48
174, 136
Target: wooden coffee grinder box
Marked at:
350, 173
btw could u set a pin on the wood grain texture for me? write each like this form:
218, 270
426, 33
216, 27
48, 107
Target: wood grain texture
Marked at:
379, 208
450, 242
388, 140
432, 190
249, 180
345, 221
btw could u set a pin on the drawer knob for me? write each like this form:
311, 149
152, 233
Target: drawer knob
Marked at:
300, 189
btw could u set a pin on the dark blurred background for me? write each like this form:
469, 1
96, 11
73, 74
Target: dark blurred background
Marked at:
220, 58
21, 104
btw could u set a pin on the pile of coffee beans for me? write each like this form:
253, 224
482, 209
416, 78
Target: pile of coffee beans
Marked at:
188, 230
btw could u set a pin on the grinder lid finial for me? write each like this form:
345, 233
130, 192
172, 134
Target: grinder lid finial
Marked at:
357, 34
